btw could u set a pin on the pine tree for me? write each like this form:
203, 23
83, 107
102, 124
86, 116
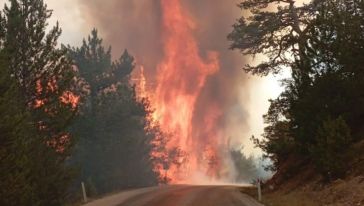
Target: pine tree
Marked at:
279, 34
111, 127
321, 43
41, 98
15, 186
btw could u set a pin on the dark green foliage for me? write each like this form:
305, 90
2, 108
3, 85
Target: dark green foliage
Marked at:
44, 73
92, 61
122, 68
113, 148
34, 76
15, 188
278, 142
322, 44
280, 35
330, 152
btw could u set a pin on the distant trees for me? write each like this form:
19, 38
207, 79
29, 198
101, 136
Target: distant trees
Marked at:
37, 104
245, 166
321, 111
113, 148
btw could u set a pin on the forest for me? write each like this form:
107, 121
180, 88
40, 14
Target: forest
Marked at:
319, 116
68, 114
71, 114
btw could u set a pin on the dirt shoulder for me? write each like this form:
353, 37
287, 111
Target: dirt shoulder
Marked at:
348, 192
306, 188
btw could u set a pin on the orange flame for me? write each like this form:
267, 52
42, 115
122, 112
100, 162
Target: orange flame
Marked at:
67, 98
181, 77
58, 142
141, 84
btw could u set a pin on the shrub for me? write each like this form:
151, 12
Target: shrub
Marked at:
330, 152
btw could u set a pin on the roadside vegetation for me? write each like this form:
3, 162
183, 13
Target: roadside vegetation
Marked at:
68, 114
112, 150
37, 86
313, 126
320, 113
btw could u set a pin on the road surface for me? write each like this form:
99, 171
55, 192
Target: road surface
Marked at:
179, 196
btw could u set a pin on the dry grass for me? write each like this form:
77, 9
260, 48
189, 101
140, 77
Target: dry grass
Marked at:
303, 191
292, 199
278, 199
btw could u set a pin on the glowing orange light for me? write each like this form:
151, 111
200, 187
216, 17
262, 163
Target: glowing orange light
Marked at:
181, 76
70, 98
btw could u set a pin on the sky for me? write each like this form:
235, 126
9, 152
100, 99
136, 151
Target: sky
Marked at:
69, 15
78, 17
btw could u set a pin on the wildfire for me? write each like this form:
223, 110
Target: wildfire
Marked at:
141, 86
67, 98
60, 141
181, 76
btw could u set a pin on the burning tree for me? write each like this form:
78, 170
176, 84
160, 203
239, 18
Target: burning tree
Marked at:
38, 85
181, 76
111, 126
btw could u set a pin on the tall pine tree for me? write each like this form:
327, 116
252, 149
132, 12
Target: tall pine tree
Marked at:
37, 104
321, 42
113, 148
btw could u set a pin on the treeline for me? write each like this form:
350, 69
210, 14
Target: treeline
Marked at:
66, 114
321, 112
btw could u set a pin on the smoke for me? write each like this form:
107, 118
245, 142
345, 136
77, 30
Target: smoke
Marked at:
226, 88
136, 25
131, 24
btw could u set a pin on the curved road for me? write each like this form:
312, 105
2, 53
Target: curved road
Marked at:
179, 196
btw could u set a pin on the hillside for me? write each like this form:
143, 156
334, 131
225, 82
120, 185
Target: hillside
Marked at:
303, 187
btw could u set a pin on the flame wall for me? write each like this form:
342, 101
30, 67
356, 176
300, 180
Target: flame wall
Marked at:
195, 82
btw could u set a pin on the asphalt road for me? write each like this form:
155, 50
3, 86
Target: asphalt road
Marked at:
179, 196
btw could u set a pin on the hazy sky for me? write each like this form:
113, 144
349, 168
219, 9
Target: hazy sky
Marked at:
67, 13
75, 26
